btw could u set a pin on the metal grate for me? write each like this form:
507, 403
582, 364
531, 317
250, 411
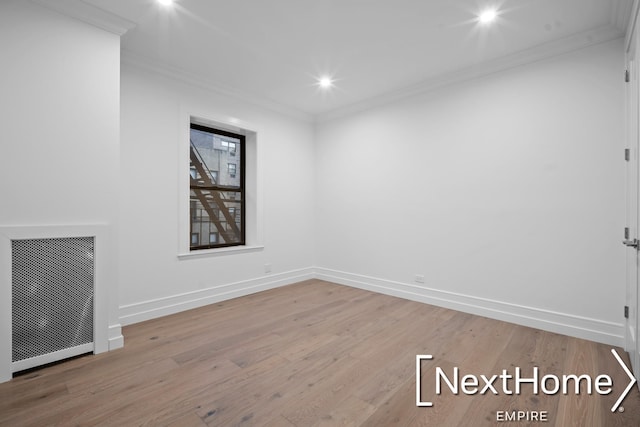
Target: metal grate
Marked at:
52, 295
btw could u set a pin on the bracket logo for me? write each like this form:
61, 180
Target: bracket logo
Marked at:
510, 383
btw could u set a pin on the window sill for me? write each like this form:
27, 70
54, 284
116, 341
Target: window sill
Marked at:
205, 253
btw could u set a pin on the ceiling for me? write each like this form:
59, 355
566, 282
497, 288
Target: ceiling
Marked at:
273, 51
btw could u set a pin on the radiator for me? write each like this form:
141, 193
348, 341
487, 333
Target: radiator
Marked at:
52, 291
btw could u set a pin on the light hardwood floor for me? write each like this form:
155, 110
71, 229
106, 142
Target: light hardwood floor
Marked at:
313, 354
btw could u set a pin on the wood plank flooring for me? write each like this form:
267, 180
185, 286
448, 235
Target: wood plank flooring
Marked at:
314, 354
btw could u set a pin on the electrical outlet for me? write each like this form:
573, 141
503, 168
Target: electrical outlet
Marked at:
419, 278
267, 268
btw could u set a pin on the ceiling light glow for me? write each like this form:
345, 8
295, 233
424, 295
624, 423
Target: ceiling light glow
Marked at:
165, 2
325, 82
488, 16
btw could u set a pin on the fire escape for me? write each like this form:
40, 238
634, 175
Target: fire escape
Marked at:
205, 189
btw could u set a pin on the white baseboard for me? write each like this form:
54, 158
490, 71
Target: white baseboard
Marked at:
576, 326
609, 333
152, 309
116, 340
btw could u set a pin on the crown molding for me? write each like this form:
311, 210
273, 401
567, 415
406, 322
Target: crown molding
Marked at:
136, 60
90, 14
620, 13
631, 25
537, 53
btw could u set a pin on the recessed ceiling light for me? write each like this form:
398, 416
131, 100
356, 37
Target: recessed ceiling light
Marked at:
165, 2
325, 82
488, 16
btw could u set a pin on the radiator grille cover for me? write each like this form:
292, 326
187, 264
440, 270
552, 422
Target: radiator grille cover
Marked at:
52, 295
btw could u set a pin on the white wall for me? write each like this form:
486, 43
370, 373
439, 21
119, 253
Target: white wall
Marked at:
59, 130
505, 192
59, 111
153, 281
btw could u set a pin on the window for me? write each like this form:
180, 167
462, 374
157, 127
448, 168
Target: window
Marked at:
217, 200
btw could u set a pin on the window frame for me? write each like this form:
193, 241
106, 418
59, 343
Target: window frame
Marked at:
241, 159
210, 115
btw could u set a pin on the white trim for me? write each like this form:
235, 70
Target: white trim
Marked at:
577, 326
620, 13
610, 333
136, 60
104, 282
139, 312
254, 192
55, 356
90, 14
631, 26
534, 54
537, 53
206, 253
5, 311
116, 339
